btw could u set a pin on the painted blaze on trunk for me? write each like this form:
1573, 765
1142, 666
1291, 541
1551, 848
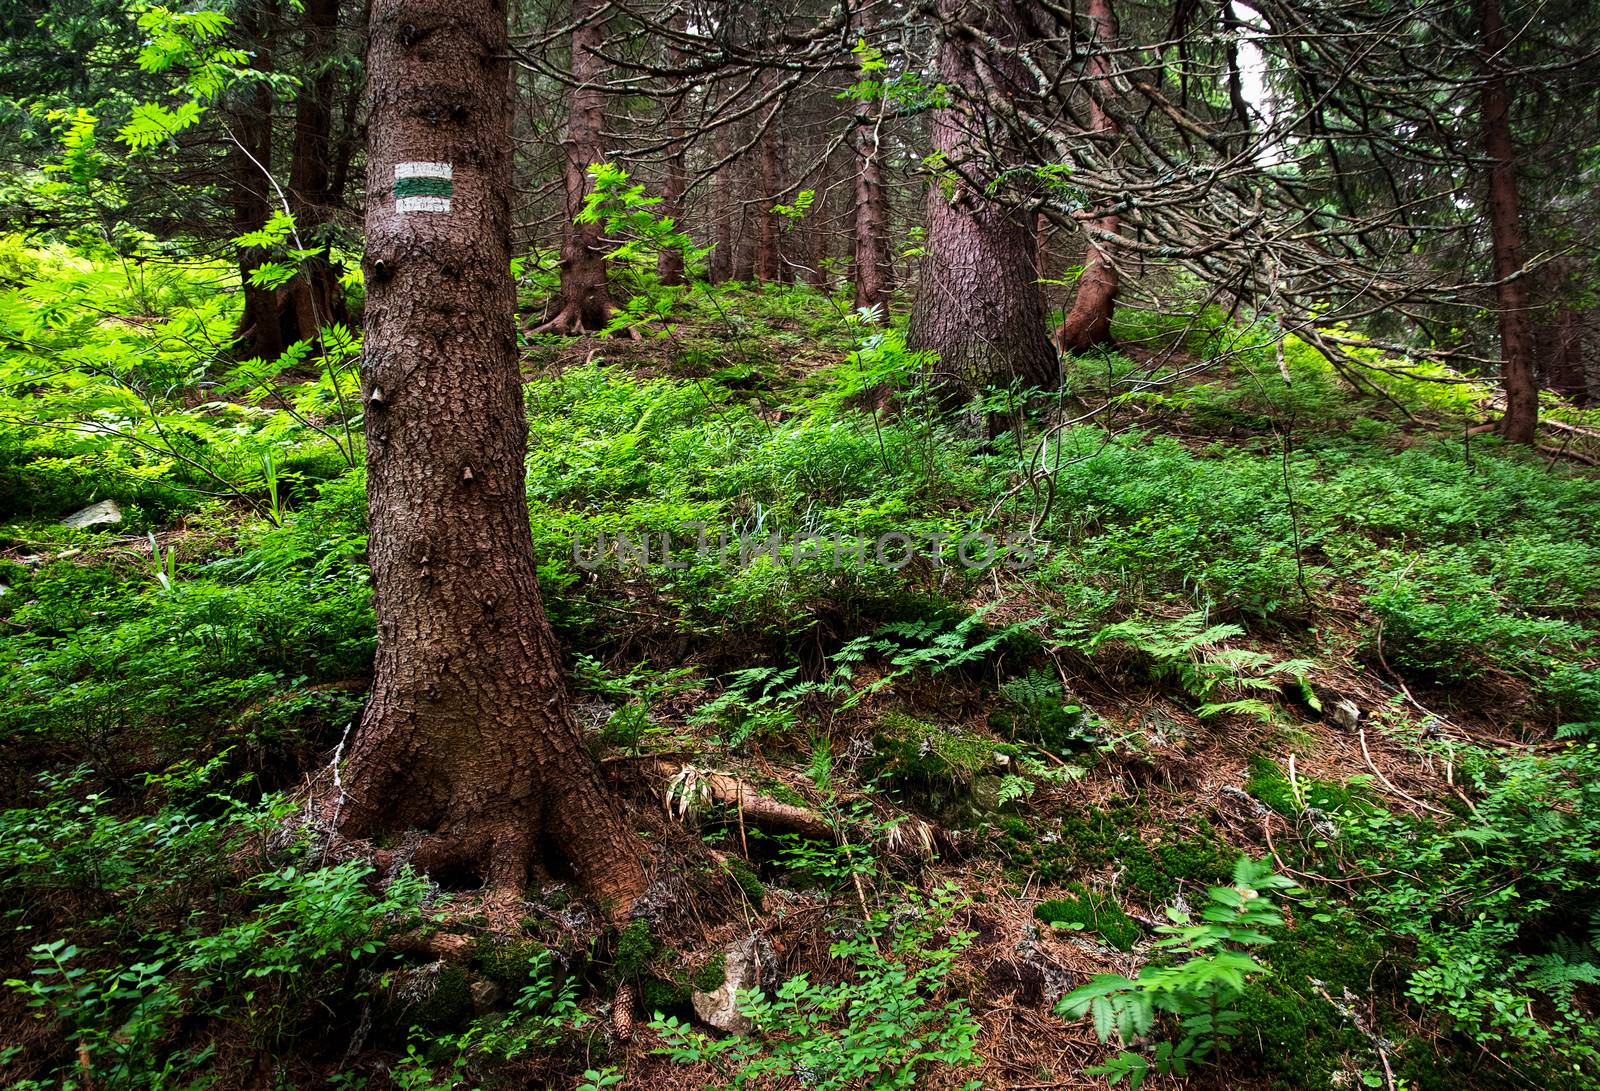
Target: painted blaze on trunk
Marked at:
468, 740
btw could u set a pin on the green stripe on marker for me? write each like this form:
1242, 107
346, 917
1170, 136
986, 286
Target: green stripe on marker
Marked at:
423, 187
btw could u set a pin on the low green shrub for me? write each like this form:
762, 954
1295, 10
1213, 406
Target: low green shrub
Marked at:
881, 1026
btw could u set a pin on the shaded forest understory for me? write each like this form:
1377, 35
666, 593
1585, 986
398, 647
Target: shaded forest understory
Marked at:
1249, 612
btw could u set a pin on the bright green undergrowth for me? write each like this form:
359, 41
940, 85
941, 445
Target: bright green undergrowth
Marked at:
1159, 559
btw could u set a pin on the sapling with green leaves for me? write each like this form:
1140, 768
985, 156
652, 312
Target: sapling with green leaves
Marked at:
1195, 996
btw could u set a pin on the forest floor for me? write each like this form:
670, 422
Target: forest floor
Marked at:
1250, 612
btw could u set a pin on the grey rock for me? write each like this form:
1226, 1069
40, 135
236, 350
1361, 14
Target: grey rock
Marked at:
1346, 713
105, 513
743, 963
485, 995
986, 793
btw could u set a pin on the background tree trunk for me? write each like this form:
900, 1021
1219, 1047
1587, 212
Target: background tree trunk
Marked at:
1516, 341
249, 185
769, 154
724, 209
669, 263
978, 300
871, 253
584, 302
468, 737
874, 262
275, 318
314, 297
1088, 324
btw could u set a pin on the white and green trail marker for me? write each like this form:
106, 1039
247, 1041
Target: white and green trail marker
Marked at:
423, 187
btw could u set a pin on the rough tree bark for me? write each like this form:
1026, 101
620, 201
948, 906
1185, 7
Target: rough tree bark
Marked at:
1088, 323
467, 747
1521, 419
584, 301
978, 302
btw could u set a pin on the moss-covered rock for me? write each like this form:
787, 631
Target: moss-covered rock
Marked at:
938, 770
1036, 712
746, 879
1270, 784
657, 995
1297, 1037
711, 974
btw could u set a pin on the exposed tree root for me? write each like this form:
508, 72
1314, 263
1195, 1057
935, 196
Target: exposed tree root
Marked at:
493, 857
576, 321
568, 322
686, 788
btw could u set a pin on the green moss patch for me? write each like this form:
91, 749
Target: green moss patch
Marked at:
1111, 837
1270, 784
636, 949
1092, 912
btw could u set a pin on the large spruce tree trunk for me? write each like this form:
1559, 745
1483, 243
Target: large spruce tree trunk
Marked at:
584, 302
467, 744
1517, 377
1088, 323
978, 301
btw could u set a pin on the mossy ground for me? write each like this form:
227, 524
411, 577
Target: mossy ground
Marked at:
1152, 859
1091, 912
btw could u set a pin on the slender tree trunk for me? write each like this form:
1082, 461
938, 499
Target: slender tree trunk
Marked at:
314, 297
871, 254
275, 318
1088, 323
584, 302
669, 263
1590, 364
1516, 340
769, 155
874, 262
978, 302
746, 233
467, 748
249, 187
724, 209
819, 232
